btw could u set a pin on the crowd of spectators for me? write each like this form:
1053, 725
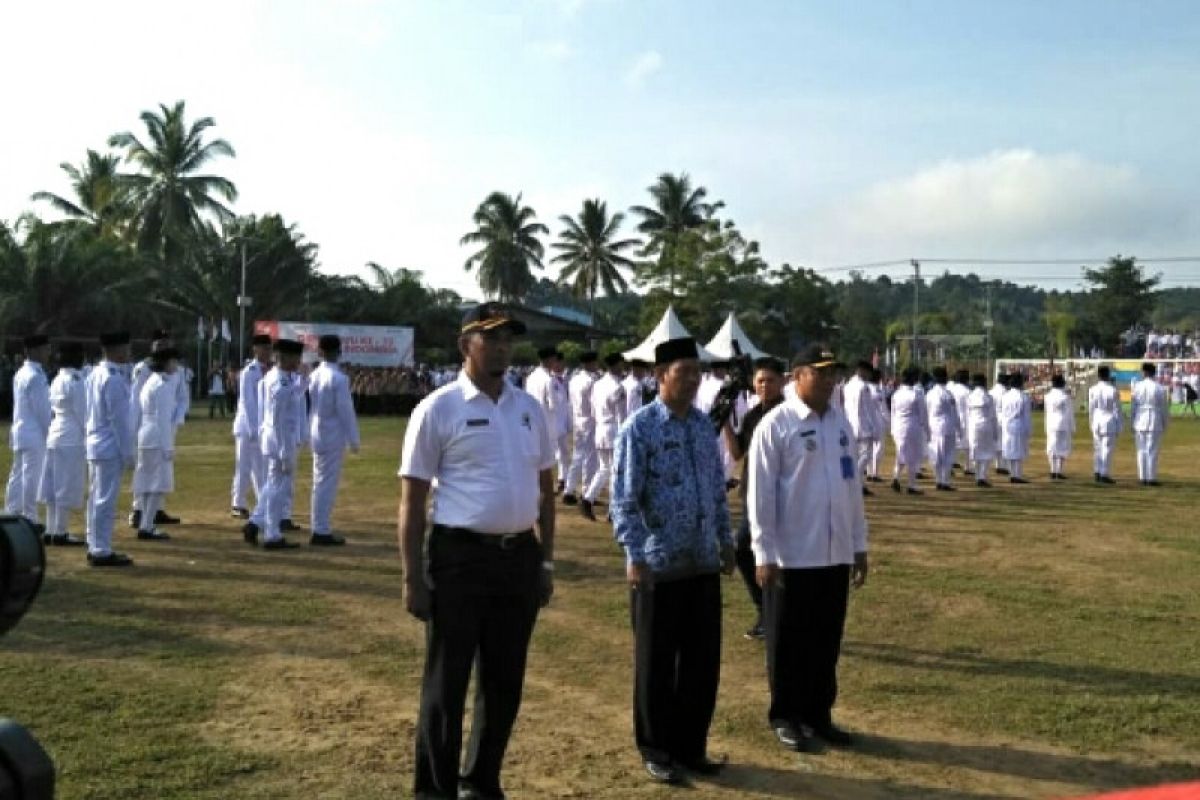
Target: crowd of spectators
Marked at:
1145, 342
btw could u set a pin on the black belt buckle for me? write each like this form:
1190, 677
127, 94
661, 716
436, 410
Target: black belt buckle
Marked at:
509, 541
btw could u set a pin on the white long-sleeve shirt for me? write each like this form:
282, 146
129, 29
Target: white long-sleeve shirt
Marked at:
68, 402
608, 409
1149, 407
633, 394
282, 425
859, 405
942, 408
1014, 413
580, 390
246, 420
334, 425
109, 432
31, 407
1060, 412
157, 404
1105, 417
805, 494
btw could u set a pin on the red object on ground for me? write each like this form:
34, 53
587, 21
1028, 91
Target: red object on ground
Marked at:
1176, 791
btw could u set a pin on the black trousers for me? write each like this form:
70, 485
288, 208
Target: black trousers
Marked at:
677, 666
485, 602
804, 618
744, 557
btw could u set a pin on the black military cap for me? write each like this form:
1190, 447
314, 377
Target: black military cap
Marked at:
490, 317
817, 356
330, 342
114, 338
289, 347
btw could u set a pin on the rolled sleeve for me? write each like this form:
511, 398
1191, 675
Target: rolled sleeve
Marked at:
760, 497
421, 454
629, 466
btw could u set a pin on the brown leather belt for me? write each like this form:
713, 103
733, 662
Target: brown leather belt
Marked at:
503, 541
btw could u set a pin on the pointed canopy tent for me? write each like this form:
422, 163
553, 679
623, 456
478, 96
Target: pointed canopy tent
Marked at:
669, 327
721, 345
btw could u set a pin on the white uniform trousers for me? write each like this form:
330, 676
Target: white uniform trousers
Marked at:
327, 472
877, 446
604, 455
1147, 454
865, 449
269, 511
583, 462
62, 485
247, 471
941, 449
1102, 453
21, 494
562, 454
105, 474
289, 488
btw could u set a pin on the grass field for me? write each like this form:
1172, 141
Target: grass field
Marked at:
1028, 641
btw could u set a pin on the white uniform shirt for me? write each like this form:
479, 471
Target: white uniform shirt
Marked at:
1060, 412
486, 456
858, 405
109, 432
908, 414
551, 393
246, 420
1014, 413
706, 395
942, 408
138, 376
633, 394
879, 408
68, 401
580, 391
805, 496
334, 425
1149, 407
982, 426
282, 427
608, 409
156, 430
961, 392
31, 407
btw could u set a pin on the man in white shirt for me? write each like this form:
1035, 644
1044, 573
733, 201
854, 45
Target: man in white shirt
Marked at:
1148, 414
997, 393
910, 430
882, 418
706, 397
859, 406
546, 385
608, 410
160, 339
634, 384
583, 446
334, 429
981, 429
65, 470
1105, 420
808, 531
1060, 425
960, 388
942, 408
247, 456
111, 446
481, 575
30, 427
1015, 414
154, 475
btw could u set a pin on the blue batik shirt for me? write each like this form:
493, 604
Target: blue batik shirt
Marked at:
668, 493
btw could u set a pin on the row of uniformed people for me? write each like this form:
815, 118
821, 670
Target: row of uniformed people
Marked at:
282, 409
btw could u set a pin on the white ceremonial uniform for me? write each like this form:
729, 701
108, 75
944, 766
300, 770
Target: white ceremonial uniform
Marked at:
65, 470
30, 427
706, 397
804, 497
608, 409
583, 453
633, 394
111, 447
334, 428
862, 414
550, 390
248, 469
279, 438
1148, 418
139, 373
1060, 427
997, 392
960, 392
154, 475
480, 452
942, 408
1105, 420
883, 418
300, 408
910, 431
981, 430
1016, 424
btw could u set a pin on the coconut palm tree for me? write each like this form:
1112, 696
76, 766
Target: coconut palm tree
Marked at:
169, 193
99, 199
590, 254
508, 236
678, 209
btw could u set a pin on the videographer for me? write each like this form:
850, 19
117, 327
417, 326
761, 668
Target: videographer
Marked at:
768, 388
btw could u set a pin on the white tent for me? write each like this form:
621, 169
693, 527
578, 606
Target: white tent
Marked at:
669, 327
721, 345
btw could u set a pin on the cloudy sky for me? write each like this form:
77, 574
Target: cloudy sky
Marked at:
837, 134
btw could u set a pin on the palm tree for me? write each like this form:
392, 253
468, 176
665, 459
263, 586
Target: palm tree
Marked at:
678, 209
590, 254
508, 234
169, 193
99, 199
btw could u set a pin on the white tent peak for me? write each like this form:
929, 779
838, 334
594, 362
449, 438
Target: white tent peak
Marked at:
669, 327
721, 345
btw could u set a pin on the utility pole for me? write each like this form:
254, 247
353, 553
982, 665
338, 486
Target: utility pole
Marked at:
987, 328
915, 353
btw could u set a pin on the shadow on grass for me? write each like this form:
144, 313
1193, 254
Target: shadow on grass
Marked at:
773, 782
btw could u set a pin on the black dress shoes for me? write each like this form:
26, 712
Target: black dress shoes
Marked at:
326, 540
163, 518
64, 540
706, 766
286, 525
110, 560
586, 509
135, 518
155, 535
569, 499
982, 484
896, 485
664, 772
796, 737
250, 533
279, 544
237, 512
833, 735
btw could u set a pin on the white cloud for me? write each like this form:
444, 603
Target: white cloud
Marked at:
643, 67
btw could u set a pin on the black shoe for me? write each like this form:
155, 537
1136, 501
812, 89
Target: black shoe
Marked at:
47, 539
286, 525
732, 484
757, 632
279, 544
895, 485
38, 527
1001, 471
663, 772
163, 518
153, 535
834, 735
237, 512
796, 737
945, 487
706, 766
570, 499
67, 540
1017, 480
1153, 483
585, 508
914, 491
1096, 477
968, 472
558, 489
250, 533
326, 540
110, 560
135, 518
983, 484
867, 492
1106, 479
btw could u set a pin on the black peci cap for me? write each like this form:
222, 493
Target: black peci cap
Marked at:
288, 347
36, 340
546, 352
674, 350
490, 317
588, 356
114, 338
330, 343
260, 338
612, 359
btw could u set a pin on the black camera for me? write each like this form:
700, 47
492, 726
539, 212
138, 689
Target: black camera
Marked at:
738, 380
26, 771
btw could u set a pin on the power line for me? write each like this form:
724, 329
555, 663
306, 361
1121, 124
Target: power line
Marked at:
1001, 262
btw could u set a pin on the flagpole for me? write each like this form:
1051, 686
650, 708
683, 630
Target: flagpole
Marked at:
199, 358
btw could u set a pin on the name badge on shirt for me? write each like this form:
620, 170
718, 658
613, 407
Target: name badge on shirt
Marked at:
476, 423
847, 467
